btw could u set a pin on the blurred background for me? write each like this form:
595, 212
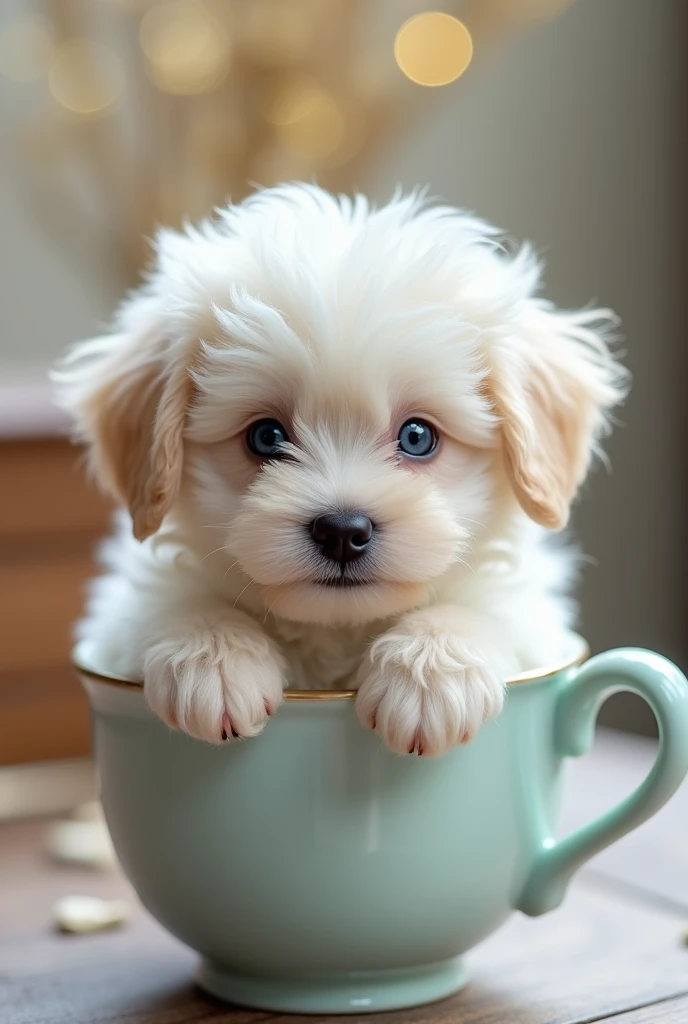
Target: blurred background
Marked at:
562, 122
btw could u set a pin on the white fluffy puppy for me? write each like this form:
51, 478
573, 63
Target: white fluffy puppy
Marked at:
342, 435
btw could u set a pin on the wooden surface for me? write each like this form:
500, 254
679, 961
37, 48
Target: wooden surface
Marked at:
50, 520
615, 951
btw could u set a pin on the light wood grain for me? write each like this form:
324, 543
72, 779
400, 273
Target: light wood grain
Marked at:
50, 519
673, 1011
43, 715
43, 599
45, 491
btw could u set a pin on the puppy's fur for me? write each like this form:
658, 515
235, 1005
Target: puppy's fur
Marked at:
342, 321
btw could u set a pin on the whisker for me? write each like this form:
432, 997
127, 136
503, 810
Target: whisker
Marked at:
265, 619
466, 565
466, 519
478, 523
229, 569
222, 547
242, 592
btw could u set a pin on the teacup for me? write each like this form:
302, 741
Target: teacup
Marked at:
316, 872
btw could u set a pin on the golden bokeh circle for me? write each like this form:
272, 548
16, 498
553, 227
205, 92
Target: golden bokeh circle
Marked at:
288, 98
433, 48
307, 119
186, 48
86, 77
309, 122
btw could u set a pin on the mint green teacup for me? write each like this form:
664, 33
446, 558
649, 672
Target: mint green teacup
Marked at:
316, 872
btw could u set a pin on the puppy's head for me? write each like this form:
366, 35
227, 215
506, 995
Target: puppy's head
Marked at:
340, 396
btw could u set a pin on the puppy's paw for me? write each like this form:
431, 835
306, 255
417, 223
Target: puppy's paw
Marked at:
216, 682
425, 693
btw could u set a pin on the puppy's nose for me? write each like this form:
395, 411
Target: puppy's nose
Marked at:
342, 536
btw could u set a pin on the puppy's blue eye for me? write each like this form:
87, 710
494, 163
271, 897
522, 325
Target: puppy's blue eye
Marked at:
265, 439
417, 438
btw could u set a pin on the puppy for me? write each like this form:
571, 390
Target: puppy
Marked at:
342, 435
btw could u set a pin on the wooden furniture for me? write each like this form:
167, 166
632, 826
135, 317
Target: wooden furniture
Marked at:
50, 521
615, 951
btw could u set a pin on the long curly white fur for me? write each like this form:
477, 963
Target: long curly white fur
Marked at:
342, 321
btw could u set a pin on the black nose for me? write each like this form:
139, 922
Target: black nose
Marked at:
342, 536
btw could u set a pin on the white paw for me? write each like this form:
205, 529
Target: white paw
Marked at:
424, 693
214, 683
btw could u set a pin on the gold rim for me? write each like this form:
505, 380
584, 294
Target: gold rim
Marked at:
330, 695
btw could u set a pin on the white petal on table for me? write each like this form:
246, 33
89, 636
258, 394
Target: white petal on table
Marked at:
85, 843
89, 913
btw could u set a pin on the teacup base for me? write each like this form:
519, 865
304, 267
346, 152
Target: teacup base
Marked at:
355, 992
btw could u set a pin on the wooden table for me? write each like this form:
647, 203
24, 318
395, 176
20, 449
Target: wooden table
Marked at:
615, 951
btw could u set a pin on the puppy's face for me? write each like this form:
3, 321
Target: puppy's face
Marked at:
349, 474
333, 397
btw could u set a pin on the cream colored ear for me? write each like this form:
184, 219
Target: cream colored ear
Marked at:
552, 388
129, 398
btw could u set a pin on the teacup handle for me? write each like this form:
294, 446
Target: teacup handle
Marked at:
665, 688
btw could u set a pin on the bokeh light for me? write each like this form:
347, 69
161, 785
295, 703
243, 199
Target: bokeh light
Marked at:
288, 98
86, 77
307, 118
433, 48
26, 48
187, 49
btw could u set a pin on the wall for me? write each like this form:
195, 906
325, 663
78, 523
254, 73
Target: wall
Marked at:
573, 138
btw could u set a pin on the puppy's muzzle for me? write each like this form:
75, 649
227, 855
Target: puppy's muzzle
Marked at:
342, 536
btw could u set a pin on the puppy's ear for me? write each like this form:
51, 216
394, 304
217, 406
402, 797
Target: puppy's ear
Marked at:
128, 393
553, 386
